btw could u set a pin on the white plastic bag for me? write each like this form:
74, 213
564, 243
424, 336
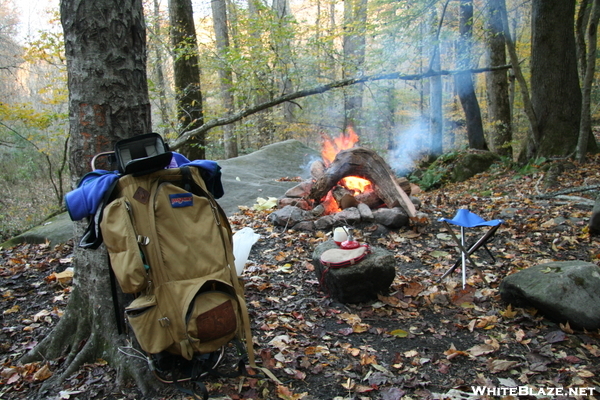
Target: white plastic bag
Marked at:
243, 240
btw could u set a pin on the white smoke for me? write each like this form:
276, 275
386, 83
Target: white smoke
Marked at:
409, 146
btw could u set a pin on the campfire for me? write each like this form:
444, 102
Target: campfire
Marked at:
349, 185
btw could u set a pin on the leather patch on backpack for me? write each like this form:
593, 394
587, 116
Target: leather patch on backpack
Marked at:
142, 195
217, 322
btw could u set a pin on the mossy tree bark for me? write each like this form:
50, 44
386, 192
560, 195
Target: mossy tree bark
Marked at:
108, 100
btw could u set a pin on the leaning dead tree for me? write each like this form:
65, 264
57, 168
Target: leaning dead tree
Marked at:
181, 140
366, 164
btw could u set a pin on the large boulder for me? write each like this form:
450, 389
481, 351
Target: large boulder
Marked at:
356, 283
562, 291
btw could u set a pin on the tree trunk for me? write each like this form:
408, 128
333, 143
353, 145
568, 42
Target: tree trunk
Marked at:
436, 127
187, 75
105, 46
354, 41
464, 81
219, 11
264, 124
159, 74
533, 138
555, 91
497, 84
283, 42
588, 79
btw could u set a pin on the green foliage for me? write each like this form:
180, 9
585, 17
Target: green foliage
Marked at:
436, 174
532, 166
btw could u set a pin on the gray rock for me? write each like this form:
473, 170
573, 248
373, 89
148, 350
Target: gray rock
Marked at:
562, 291
325, 223
289, 216
56, 230
349, 216
357, 283
393, 218
366, 214
258, 174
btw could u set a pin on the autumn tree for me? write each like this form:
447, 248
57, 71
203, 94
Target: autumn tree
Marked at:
354, 52
555, 90
497, 82
190, 113
464, 81
105, 46
219, 12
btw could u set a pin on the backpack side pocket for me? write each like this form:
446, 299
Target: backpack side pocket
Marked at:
150, 327
121, 242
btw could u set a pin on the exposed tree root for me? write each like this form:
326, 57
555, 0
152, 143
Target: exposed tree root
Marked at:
88, 331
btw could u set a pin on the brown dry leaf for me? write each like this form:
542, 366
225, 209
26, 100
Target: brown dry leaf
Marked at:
486, 322
42, 374
350, 319
584, 373
566, 328
452, 352
363, 389
411, 353
481, 349
520, 335
353, 351
463, 296
360, 328
392, 301
413, 289
65, 277
368, 359
40, 315
593, 349
285, 393
495, 365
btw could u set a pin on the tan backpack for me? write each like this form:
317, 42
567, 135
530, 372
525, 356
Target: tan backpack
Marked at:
170, 243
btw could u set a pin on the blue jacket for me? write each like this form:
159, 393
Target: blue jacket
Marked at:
83, 201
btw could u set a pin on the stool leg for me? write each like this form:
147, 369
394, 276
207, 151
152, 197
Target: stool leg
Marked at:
464, 256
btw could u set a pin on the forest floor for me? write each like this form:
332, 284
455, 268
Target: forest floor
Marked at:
425, 339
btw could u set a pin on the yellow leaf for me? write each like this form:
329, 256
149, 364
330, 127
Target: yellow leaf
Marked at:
509, 312
399, 333
13, 309
584, 373
349, 385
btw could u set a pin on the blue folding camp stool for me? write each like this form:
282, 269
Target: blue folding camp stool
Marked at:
466, 219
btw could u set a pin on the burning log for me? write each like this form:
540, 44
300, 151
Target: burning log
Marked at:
366, 164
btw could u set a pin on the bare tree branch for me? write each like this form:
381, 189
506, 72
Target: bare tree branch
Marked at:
181, 140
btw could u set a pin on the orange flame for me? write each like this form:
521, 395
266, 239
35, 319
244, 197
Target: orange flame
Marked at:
356, 184
332, 146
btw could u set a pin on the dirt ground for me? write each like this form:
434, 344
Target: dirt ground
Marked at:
425, 339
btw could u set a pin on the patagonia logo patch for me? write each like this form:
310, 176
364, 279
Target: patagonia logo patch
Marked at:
181, 200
